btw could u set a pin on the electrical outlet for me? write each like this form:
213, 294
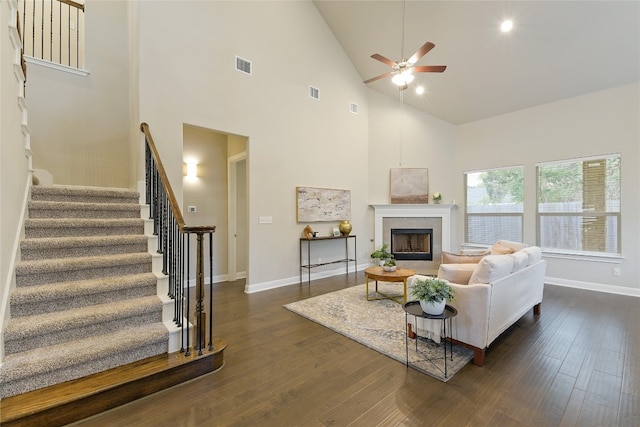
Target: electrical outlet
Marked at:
265, 220
319, 260
616, 271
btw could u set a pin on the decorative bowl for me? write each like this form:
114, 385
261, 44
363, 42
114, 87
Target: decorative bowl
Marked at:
389, 268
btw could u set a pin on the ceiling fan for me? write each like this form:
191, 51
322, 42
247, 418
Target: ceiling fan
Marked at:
403, 70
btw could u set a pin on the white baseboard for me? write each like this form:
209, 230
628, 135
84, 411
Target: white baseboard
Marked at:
599, 287
258, 287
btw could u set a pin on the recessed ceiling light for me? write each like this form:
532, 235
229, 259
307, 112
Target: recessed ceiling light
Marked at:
506, 26
420, 90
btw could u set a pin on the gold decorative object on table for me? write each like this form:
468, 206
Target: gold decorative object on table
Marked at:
345, 228
307, 233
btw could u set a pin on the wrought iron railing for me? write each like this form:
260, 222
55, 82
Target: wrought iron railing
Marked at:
175, 240
54, 31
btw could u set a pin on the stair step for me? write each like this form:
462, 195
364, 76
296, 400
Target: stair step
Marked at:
71, 401
48, 271
40, 299
60, 227
67, 247
42, 367
48, 209
72, 193
48, 329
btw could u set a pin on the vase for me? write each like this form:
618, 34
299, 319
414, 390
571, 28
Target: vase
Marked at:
433, 308
436, 201
345, 228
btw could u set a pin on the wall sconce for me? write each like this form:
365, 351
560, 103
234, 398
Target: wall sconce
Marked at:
192, 170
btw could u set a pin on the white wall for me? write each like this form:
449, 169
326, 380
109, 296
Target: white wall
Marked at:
14, 164
81, 125
599, 123
187, 56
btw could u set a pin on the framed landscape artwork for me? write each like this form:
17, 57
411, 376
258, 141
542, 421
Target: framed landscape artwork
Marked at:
409, 186
322, 204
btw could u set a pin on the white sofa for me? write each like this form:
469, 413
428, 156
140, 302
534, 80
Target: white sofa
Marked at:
492, 294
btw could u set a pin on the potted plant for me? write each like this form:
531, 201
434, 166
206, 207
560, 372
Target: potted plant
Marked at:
433, 294
437, 197
382, 255
389, 265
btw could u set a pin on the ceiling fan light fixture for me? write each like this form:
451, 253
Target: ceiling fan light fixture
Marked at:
403, 78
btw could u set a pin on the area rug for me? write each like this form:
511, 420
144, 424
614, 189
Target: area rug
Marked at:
380, 325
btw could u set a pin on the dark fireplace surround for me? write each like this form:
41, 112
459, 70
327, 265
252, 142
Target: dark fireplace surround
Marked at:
412, 244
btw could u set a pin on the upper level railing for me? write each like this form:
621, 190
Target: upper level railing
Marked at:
174, 242
54, 31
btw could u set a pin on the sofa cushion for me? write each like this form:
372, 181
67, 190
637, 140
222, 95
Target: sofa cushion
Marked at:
491, 268
456, 273
449, 258
534, 254
520, 260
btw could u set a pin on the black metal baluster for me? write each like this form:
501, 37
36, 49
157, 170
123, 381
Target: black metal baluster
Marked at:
210, 291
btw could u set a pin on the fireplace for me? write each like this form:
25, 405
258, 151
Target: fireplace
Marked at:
438, 218
412, 244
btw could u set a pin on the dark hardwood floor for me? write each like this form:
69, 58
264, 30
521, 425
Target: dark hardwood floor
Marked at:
577, 364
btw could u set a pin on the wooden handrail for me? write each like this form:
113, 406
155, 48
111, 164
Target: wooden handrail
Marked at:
177, 212
73, 4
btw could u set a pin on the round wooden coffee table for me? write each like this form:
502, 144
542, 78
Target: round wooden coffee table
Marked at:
378, 274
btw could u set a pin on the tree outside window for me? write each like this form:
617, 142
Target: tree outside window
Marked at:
494, 205
579, 205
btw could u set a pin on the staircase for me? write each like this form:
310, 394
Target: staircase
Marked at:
91, 325
85, 298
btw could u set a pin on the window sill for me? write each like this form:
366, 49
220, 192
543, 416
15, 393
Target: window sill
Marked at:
583, 256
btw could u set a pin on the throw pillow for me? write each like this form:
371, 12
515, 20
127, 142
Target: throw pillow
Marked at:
491, 268
449, 258
456, 273
499, 249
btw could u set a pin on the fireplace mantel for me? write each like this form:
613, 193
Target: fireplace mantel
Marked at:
444, 212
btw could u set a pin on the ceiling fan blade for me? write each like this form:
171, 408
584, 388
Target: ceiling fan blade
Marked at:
385, 60
403, 87
421, 52
381, 76
429, 68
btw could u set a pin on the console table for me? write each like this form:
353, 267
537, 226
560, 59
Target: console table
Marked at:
346, 258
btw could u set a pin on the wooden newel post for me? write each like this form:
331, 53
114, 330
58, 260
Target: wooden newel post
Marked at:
200, 315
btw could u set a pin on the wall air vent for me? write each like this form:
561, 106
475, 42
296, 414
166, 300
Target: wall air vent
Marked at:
243, 65
353, 107
314, 92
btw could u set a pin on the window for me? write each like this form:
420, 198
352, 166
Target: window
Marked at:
494, 205
579, 205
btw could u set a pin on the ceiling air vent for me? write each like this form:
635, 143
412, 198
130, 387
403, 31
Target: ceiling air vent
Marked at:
243, 65
353, 107
314, 92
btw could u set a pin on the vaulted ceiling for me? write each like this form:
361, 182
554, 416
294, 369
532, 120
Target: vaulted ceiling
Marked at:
556, 50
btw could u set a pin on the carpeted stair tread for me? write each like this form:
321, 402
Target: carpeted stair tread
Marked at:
68, 227
71, 193
41, 367
31, 300
50, 209
85, 297
42, 271
65, 247
46, 329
